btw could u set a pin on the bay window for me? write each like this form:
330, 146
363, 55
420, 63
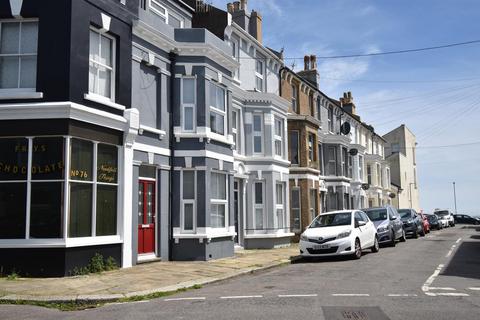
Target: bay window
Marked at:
218, 202
18, 54
188, 209
217, 109
257, 133
101, 79
258, 205
188, 104
278, 137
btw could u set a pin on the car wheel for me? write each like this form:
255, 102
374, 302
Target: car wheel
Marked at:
376, 246
392, 241
358, 250
403, 238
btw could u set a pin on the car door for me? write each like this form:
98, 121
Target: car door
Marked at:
371, 230
396, 222
363, 233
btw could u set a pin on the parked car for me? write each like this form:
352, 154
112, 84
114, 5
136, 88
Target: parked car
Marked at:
465, 219
435, 224
412, 223
388, 223
426, 224
346, 232
446, 216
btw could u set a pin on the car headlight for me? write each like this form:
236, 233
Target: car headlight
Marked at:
410, 221
303, 237
382, 229
344, 234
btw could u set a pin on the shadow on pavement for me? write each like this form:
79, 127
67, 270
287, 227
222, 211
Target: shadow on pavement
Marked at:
326, 259
475, 237
466, 261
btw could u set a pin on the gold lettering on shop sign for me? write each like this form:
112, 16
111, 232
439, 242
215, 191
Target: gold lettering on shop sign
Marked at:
36, 148
79, 174
36, 169
107, 173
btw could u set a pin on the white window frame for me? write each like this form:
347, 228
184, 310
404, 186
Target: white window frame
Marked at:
236, 131
165, 16
189, 105
278, 138
360, 168
236, 55
294, 98
259, 76
334, 160
112, 68
220, 112
19, 55
193, 202
331, 118
379, 174
258, 133
296, 189
223, 202
280, 206
258, 205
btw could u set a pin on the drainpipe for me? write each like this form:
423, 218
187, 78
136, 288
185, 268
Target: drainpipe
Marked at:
173, 62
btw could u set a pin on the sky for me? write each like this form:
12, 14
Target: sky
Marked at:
434, 93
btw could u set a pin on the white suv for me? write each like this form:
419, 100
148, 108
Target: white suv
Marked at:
446, 217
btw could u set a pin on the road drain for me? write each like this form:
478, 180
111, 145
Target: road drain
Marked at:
354, 313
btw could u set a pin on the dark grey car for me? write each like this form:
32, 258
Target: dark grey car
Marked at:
412, 224
388, 223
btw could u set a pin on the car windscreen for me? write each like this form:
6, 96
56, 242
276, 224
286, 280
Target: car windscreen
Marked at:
404, 213
376, 214
331, 220
431, 218
441, 213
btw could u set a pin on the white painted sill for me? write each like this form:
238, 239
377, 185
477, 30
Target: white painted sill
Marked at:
161, 133
103, 100
12, 95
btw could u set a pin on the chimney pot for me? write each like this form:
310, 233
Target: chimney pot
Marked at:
306, 61
243, 5
236, 6
313, 62
230, 7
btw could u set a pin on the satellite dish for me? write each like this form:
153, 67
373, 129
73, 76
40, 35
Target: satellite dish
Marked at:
353, 152
365, 186
345, 128
392, 195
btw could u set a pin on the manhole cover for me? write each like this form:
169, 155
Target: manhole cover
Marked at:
354, 313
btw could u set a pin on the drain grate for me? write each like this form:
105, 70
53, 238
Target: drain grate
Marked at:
354, 313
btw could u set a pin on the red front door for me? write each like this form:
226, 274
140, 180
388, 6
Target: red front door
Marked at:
146, 216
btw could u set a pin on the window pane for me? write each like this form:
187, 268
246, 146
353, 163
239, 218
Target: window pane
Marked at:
94, 45
13, 159
28, 72
278, 147
258, 219
258, 193
13, 197
9, 37
257, 123
106, 210
106, 51
189, 91
188, 216
294, 147
217, 215
278, 128
188, 121
80, 219
147, 172
47, 158
216, 123
188, 184
234, 120
140, 203
9, 72
279, 192
220, 98
104, 82
46, 210
92, 78
280, 218
218, 186
29, 37
107, 166
257, 144
81, 160
259, 83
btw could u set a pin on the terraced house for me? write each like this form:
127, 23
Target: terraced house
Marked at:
330, 150
258, 118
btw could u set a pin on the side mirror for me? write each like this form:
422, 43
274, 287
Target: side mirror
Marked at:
360, 224
393, 218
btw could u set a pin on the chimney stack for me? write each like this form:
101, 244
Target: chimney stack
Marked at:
347, 103
256, 25
313, 62
309, 71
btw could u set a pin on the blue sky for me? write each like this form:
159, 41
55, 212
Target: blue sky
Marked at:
435, 93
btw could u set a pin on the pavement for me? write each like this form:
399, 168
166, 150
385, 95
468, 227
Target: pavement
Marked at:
434, 277
143, 279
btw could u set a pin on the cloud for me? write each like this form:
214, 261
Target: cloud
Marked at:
271, 6
367, 10
337, 72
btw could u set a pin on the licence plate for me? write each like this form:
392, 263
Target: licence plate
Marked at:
321, 246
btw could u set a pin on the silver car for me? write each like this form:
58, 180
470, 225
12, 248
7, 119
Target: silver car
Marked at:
388, 223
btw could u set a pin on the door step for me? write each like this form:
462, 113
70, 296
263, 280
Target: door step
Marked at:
149, 257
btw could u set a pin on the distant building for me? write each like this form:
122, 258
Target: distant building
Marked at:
400, 151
